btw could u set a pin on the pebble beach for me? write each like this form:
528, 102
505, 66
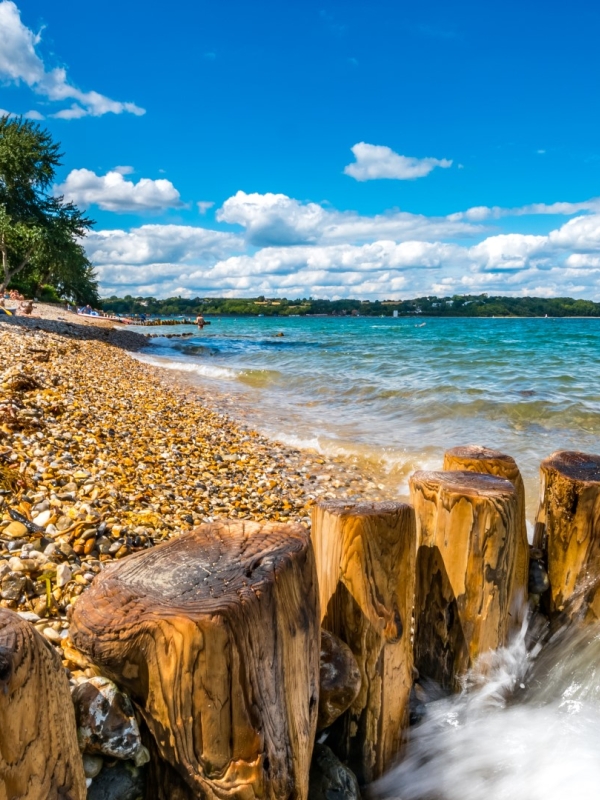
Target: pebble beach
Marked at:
102, 455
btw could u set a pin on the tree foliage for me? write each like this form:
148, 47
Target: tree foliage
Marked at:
432, 306
40, 233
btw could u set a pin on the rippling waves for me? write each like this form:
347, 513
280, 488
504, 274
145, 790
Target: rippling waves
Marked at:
398, 395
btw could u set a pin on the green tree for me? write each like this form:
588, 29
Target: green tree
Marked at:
38, 231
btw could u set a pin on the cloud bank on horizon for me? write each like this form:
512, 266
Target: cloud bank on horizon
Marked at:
19, 63
281, 246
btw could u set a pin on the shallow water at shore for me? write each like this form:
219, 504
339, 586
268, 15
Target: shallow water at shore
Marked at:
524, 728
394, 394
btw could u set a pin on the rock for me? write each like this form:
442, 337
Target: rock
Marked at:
52, 635
121, 781
329, 778
4, 568
106, 723
12, 586
29, 616
15, 564
63, 574
92, 765
538, 578
339, 678
42, 518
16, 530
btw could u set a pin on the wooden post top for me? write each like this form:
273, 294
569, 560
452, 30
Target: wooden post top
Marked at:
201, 572
471, 484
475, 452
580, 467
341, 509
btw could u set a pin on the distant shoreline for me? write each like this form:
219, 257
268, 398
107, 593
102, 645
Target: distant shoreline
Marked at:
457, 306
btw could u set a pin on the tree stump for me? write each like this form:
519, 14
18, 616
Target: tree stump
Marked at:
568, 531
215, 635
365, 558
474, 458
467, 533
39, 754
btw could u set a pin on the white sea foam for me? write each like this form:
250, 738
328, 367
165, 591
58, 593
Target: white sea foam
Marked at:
204, 370
489, 744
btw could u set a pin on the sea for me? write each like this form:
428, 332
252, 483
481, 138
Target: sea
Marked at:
393, 395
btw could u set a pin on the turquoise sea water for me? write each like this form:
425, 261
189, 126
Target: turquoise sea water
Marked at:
394, 394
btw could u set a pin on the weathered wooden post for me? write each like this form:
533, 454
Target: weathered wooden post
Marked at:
365, 556
474, 458
467, 536
216, 636
568, 531
39, 754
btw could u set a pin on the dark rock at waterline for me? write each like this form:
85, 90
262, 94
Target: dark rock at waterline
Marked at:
105, 721
339, 678
538, 578
121, 781
329, 778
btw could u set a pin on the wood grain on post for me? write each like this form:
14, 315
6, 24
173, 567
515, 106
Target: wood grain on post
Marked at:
474, 458
568, 530
467, 535
365, 558
39, 754
215, 635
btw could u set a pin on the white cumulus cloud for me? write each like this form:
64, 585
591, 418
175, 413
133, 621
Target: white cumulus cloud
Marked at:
160, 244
295, 249
276, 219
112, 192
20, 63
377, 161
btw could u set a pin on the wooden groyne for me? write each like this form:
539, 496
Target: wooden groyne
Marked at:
237, 642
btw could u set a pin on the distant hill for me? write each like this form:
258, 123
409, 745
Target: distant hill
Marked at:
455, 306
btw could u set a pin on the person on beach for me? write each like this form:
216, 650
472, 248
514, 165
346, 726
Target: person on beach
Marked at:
26, 307
200, 321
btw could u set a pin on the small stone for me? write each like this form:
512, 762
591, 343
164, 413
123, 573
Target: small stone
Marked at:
92, 765
4, 568
538, 578
51, 634
16, 564
16, 530
63, 575
29, 616
42, 519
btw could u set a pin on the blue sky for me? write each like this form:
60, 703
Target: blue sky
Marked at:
367, 149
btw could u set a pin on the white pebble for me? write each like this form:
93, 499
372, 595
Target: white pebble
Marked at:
29, 616
51, 634
63, 574
43, 518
